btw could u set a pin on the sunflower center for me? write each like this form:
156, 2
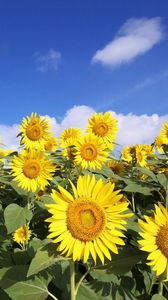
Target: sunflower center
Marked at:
89, 152
162, 240
85, 220
100, 129
34, 132
31, 168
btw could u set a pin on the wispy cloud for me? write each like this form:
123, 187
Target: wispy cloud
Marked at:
145, 83
48, 61
132, 128
134, 38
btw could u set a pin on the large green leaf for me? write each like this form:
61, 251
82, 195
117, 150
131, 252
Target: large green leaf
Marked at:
148, 172
124, 261
85, 292
16, 216
9, 276
102, 275
44, 258
31, 289
163, 180
138, 188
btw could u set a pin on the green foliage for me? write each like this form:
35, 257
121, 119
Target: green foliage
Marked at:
16, 216
36, 271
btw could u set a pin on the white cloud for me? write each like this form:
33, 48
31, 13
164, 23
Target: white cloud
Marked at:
47, 62
134, 38
8, 136
132, 128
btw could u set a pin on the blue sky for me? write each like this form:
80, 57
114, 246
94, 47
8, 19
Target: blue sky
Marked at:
46, 58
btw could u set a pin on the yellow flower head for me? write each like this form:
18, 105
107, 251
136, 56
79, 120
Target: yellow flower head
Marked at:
70, 136
69, 153
140, 156
22, 235
149, 150
51, 144
155, 239
90, 152
104, 126
32, 170
127, 154
164, 133
89, 221
159, 142
35, 132
117, 167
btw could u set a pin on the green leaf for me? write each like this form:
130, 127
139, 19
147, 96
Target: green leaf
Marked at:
18, 190
44, 258
33, 245
124, 261
9, 276
85, 292
105, 171
31, 289
158, 297
16, 216
4, 296
137, 188
20, 257
149, 173
102, 275
163, 180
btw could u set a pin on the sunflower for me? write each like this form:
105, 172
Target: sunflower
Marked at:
164, 133
117, 167
69, 153
149, 150
159, 142
155, 239
70, 136
35, 132
90, 152
103, 126
32, 170
51, 144
89, 221
127, 154
140, 154
22, 235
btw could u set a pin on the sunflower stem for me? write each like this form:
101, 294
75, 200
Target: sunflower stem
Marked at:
72, 279
80, 281
160, 288
133, 203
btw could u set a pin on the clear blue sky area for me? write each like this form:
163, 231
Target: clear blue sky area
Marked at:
77, 29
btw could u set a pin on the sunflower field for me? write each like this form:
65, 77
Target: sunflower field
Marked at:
80, 222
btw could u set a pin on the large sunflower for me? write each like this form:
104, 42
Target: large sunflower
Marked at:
104, 126
35, 131
155, 239
90, 152
32, 170
89, 221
